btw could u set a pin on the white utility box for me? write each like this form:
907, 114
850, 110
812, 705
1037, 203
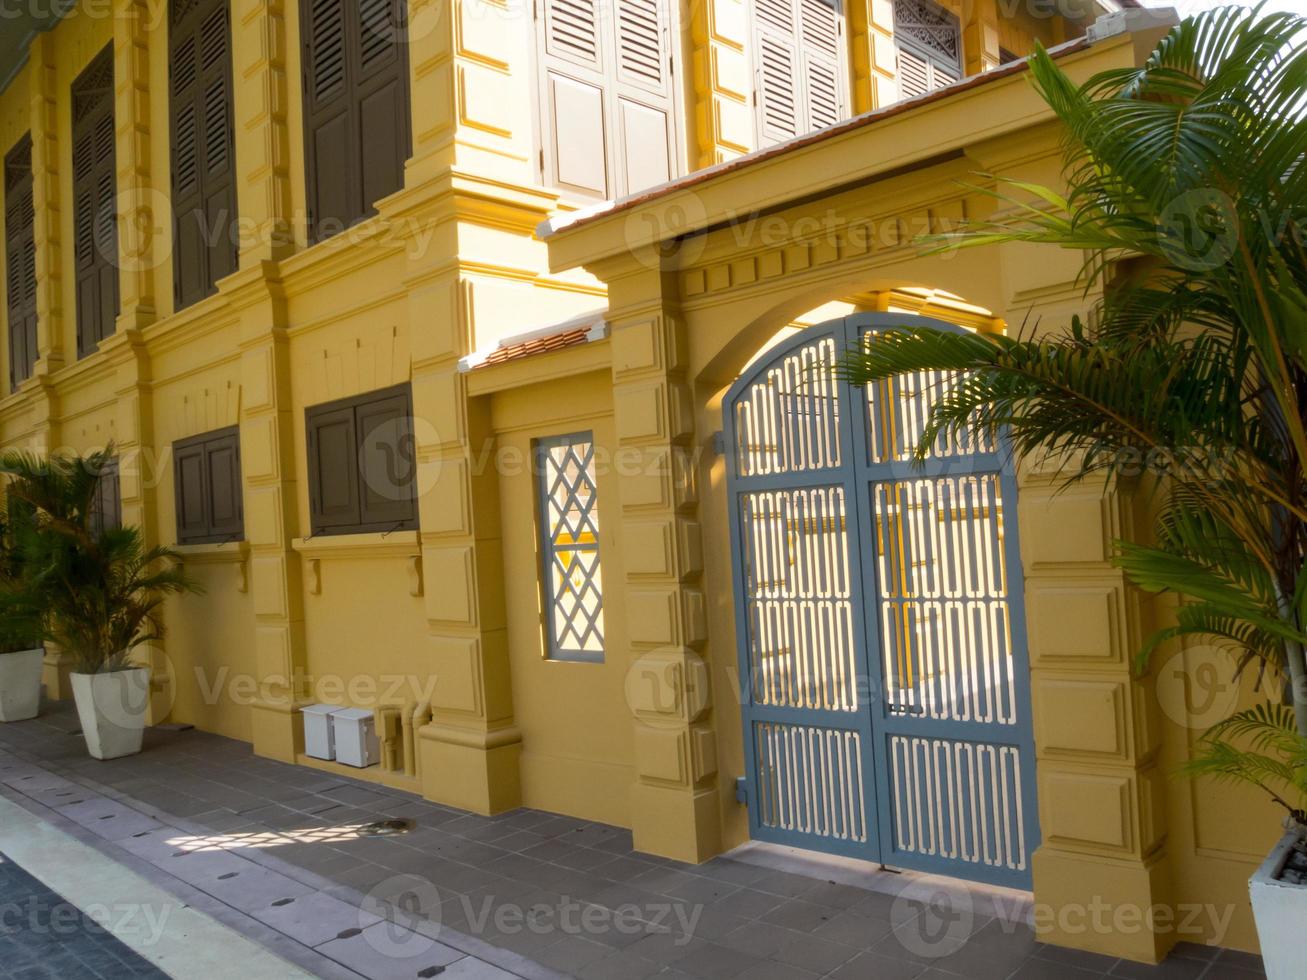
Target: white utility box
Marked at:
319, 739
356, 737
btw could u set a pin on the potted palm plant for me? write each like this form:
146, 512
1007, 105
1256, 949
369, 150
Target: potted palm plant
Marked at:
22, 657
98, 589
1187, 191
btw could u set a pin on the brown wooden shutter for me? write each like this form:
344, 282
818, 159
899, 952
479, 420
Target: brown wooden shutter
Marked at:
222, 462
333, 469
386, 462
207, 474
192, 511
362, 465
107, 507
356, 107
928, 40
20, 261
606, 102
203, 149
95, 203
801, 75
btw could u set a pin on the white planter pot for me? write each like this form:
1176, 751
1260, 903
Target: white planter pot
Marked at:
111, 708
1280, 910
20, 684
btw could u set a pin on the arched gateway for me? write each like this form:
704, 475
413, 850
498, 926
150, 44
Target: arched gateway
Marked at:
883, 663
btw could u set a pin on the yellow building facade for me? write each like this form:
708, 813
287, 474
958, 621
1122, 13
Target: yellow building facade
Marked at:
515, 313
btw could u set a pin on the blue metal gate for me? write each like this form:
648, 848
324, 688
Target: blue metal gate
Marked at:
883, 667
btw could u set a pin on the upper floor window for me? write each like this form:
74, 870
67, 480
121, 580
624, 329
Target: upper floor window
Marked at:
203, 178
606, 116
356, 112
568, 516
95, 203
20, 261
207, 474
107, 504
801, 78
929, 47
362, 466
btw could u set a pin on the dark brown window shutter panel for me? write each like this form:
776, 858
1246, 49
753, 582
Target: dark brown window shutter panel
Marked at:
95, 203
362, 464
188, 468
203, 153
207, 484
356, 108
107, 508
20, 261
333, 469
222, 464
386, 462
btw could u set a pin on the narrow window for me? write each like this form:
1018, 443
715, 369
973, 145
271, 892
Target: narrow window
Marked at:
929, 47
568, 516
362, 464
95, 203
356, 111
605, 96
107, 507
20, 261
207, 480
203, 151
800, 68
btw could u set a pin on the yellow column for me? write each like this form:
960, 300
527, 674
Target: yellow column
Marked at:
49, 288
871, 30
675, 806
260, 100
722, 96
470, 92
271, 494
980, 36
46, 200
470, 748
1097, 741
140, 209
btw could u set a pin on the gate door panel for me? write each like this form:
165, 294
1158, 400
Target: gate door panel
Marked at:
799, 599
853, 559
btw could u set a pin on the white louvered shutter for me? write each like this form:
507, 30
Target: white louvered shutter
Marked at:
643, 121
928, 40
606, 95
801, 80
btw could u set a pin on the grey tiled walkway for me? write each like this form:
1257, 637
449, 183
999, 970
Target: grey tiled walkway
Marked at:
526, 893
42, 937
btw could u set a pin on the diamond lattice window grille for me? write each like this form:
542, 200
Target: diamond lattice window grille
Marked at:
569, 526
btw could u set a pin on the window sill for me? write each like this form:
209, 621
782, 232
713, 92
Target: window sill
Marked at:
235, 553
396, 544
213, 551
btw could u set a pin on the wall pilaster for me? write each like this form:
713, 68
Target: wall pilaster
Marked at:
675, 808
1102, 789
722, 82
138, 223
468, 75
980, 36
268, 472
469, 750
873, 63
46, 199
260, 105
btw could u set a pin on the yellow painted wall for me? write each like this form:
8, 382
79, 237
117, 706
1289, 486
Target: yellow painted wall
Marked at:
577, 737
450, 267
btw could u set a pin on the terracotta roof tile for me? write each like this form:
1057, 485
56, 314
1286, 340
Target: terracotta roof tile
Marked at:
537, 345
